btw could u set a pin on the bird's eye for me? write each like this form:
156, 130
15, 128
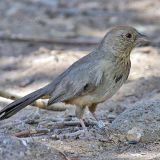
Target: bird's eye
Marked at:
128, 35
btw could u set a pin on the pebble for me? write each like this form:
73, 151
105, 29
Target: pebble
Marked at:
111, 117
134, 135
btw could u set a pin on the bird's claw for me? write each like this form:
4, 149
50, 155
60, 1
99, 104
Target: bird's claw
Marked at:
100, 124
74, 135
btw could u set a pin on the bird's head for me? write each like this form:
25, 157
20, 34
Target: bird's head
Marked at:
120, 40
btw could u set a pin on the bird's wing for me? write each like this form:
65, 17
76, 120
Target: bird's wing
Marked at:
81, 78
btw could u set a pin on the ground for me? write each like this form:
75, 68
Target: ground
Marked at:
39, 39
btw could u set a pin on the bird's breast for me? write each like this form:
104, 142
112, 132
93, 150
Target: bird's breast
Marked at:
114, 78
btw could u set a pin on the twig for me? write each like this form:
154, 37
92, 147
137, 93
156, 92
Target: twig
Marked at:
69, 124
8, 95
72, 135
64, 155
28, 133
61, 41
8, 124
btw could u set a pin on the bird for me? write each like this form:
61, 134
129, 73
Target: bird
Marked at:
92, 79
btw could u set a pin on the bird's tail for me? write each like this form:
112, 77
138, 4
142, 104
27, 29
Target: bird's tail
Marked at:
19, 104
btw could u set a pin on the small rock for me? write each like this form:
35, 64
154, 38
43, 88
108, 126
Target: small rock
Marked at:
134, 135
111, 117
55, 137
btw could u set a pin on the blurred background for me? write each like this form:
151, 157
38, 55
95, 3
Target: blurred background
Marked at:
51, 20
36, 27
41, 38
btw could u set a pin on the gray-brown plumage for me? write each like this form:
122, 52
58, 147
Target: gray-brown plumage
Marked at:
92, 79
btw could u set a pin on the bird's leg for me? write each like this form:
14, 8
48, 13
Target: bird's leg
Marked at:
82, 124
92, 109
79, 113
80, 133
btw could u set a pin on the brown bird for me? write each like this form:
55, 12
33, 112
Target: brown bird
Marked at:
92, 79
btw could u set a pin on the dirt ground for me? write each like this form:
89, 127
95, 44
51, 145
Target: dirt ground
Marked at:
39, 39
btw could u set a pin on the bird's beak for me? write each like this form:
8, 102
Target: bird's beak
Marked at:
142, 40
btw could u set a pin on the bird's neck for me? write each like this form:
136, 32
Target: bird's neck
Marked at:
123, 61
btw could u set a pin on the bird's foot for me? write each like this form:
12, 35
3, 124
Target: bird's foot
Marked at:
75, 135
101, 124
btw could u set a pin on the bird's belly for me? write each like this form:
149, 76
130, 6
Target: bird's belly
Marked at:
98, 96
